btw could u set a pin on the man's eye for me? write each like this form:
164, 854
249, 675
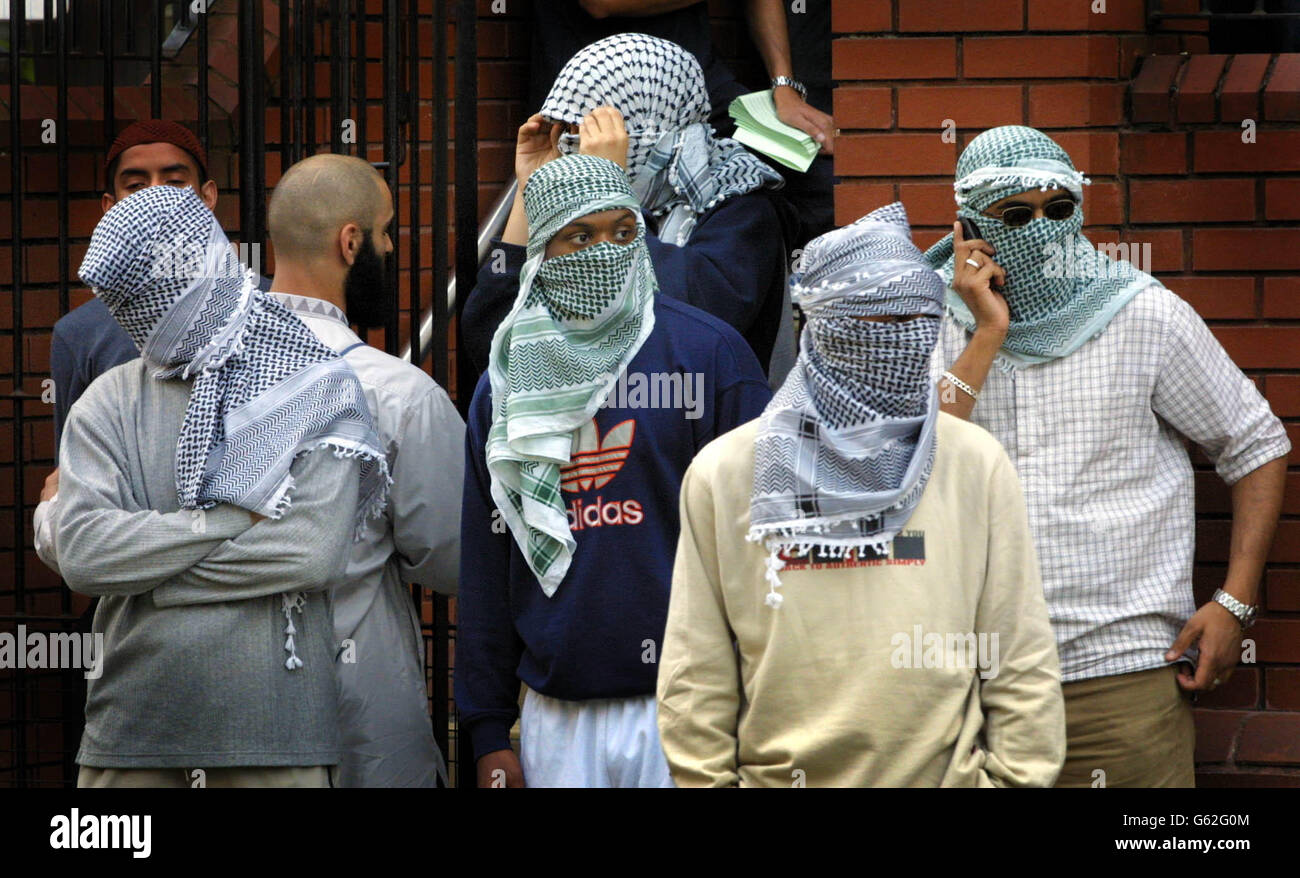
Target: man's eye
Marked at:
178, 183
579, 237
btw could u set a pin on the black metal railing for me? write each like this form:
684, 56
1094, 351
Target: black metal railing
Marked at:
152, 45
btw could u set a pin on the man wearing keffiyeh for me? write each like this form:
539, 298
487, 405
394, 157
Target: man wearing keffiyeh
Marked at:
855, 566
570, 507
1101, 373
237, 453
716, 237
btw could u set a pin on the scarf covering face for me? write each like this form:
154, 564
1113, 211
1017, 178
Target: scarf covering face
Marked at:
678, 168
578, 321
845, 447
1060, 290
265, 389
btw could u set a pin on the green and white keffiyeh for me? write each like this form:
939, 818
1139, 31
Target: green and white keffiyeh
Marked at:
1061, 291
577, 322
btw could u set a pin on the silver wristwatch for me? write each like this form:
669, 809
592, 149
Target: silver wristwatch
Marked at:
1245, 613
791, 83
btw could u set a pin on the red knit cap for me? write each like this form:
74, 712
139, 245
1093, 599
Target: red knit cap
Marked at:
156, 131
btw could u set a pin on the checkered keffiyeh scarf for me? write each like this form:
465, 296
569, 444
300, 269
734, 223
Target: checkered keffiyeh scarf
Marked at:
578, 321
679, 169
264, 388
1060, 290
845, 447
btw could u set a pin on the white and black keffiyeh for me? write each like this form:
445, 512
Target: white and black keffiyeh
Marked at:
845, 447
678, 168
264, 388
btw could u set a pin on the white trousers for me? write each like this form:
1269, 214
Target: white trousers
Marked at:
603, 742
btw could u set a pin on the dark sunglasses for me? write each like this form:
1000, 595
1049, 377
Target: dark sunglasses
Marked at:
1020, 214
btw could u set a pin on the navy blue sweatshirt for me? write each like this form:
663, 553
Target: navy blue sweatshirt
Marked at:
599, 636
733, 267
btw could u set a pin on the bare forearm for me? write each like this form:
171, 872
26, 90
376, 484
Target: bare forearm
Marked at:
516, 230
1256, 505
768, 30
971, 367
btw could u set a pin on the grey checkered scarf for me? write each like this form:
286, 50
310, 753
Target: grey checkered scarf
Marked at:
578, 321
265, 389
679, 169
1060, 290
845, 447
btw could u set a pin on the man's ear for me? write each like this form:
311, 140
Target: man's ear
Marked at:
107, 202
351, 240
208, 192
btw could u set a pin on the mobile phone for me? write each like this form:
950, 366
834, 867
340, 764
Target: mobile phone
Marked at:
970, 232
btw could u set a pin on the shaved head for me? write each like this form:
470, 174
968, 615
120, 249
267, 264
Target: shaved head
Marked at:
320, 195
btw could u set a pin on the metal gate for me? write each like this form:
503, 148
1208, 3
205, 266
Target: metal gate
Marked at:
365, 77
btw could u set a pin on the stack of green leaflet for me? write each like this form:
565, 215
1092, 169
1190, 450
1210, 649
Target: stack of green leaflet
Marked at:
758, 128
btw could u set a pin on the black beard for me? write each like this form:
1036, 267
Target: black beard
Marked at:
364, 295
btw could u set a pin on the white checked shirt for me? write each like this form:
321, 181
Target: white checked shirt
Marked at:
1096, 439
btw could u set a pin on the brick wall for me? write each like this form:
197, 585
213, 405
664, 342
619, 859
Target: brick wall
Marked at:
1156, 123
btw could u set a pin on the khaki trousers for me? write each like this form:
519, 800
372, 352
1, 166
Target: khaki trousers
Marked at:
216, 778
1128, 730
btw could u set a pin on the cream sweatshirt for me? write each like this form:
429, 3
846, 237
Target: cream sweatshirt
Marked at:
934, 666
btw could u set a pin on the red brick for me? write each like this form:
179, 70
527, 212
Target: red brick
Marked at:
1040, 57
1270, 738
1239, 96
1273, 150
1191, 201
1241, 691
928, 204
1076, 104
1282, 590
886, 155
988, 15
853, 200
1283, 393
893, 58
1154, 152
1103, 204
1166, 250
927, 238
1120, 15
969, 106
1282, 95
1282, 199
1212, 497
1278, 640
1282, 297
861, 17
1215, 733
859, 106
1194, 101
1282, 688
1095, 153
1245, 249
1260, 347
1218, 297
1153, 88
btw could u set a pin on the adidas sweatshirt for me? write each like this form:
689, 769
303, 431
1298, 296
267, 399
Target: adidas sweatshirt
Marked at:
600, 635
733, 267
